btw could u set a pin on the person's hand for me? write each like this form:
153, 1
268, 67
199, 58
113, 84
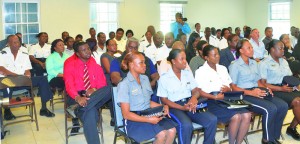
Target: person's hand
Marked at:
154, 119
43, 65
270, 91
225, 88
89, 92
258, 93
219, 96
60, 75
286, 88
166, 111
82, 101
257, 59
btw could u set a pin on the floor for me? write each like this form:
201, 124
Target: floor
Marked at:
52, 130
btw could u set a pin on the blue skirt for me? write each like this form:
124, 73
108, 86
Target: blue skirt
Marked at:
142, 131
222, 113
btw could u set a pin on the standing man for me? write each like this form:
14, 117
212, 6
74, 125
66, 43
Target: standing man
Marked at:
268, 38
197, 29
258, 45
13, 62
87, 89
180, 26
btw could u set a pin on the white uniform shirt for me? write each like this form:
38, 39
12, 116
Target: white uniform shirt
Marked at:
145, 44
210, 80
212, 40
18, 65
151, 52
121, 44
223, 44
259, 50
293, 41
101, 50
163, 52
24, 49
69, 52
40, 52
97, 56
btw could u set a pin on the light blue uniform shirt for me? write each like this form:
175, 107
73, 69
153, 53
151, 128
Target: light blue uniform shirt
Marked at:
274, 72
243, 75
169, 86
137, 95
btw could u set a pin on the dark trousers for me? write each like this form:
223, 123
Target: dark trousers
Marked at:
57, 82
89, 115
273, 113
38, 70
38, 81
184, 129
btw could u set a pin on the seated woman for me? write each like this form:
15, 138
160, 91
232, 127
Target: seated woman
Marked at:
272, 71
55, 65
245, 77
134, 93
178, 89
212, 77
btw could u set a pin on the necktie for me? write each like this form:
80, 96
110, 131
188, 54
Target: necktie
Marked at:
86, 78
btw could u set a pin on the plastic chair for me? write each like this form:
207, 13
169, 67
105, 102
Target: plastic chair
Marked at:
20, 82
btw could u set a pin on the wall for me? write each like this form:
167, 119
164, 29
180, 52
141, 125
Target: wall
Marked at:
295, 13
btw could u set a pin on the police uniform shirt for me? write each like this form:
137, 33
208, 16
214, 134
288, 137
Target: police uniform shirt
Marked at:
151, 52
137, 95
40, 52
18, 65
163, 52
97, 56
223, 43
169, 86
121, 44
210, 80
244, 75
23, 49
144, 44
259, 50
69, 52
101, 50
274, 72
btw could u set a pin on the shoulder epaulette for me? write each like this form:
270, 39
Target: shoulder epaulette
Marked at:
24, 53
3, 52
232, 62
148, 45
142, 40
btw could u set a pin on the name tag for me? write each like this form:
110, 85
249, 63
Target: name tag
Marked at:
135, 91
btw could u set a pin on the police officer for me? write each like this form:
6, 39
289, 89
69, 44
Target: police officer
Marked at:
245, 77
14, 61
134, 94
272, 70
178, 89
38, 54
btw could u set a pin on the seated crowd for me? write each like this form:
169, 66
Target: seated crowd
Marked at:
166, 70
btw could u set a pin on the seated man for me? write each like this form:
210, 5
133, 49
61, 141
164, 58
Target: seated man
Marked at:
14, 61
87, 89
117, 74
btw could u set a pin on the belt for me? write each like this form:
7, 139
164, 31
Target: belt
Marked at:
184, 100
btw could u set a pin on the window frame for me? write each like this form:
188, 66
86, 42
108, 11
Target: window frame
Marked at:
27, 34
167, 23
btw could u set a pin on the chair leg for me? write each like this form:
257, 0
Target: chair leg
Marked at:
66, 127
52, 105
198, 137
35, 116
100, 127
246, 139
282, 137
259, 121
115, 138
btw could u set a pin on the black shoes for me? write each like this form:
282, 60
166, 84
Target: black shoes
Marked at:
8, 115
293, 132
268, 142
76, 126
47, 113
112, 123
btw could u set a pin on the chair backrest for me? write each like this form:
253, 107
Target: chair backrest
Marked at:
15, 81
117, 110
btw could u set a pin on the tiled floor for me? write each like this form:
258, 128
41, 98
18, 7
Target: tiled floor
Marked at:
52, 130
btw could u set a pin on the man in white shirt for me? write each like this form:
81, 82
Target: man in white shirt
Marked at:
258, 46
152, 51
294, 36
69, 41
146, 41
120, 42
13, 62
101, 37
209, 38
197, 29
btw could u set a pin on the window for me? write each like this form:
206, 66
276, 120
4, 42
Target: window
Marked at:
279, 18
104, 17
21, 17
167, 15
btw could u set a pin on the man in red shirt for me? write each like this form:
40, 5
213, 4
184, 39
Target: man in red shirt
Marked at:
86, 86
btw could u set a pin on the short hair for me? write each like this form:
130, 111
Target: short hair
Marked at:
79, 36
9, 36
207, 49
107, 42
281, 37
170, 34
231, 37
178, 15
77, 44
272, 44
132, 39
267, 28
54, 43
129, 31
129, 57
173, 54
119, 29
18, 33
67, 39
197, 24
200, 44
100, 33
91, 29
223, 31
218, 30
92, 43
237, 28
40, 34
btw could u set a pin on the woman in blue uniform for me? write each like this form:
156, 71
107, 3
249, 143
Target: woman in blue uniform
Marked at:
245, 77
272, 71
134, 94
178, 89
212, 77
